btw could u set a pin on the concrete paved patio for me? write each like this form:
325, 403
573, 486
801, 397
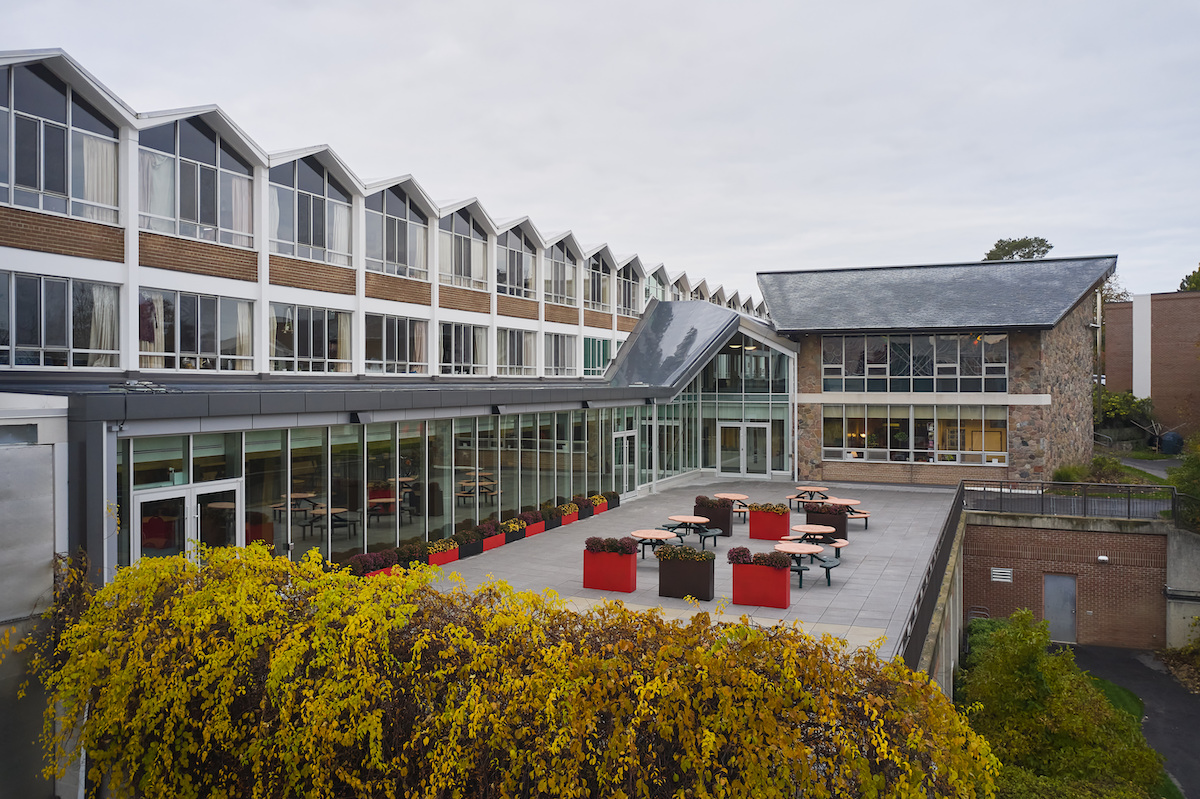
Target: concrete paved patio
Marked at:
873, 589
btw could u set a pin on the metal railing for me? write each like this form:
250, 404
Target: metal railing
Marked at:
1100, 500
916, 629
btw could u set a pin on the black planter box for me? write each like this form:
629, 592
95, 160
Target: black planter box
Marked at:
470, 548
517, 536
552, 523
613, 501
682, 578
835, 520
717, 517
585, 509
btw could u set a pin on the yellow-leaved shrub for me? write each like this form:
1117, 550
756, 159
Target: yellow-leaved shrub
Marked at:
251, 676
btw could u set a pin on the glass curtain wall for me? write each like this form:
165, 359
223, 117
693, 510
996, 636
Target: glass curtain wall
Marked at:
383, 492
309, 492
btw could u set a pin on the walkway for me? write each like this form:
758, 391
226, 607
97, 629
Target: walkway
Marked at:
873, 589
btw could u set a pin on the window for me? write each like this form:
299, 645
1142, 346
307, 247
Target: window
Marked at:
560, 275
395, 345
310, 212
967, 362
595, 356
515, 258
194, 331
596, 288
464, 349
560, 354
193, 183
64, 151
628, 292
396, 235
462, 251
46, 321
515, 354
656, 288
968, 434
305, 339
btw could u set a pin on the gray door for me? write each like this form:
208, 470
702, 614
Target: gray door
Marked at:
1058, 604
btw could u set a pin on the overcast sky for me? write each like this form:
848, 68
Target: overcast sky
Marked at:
722, 139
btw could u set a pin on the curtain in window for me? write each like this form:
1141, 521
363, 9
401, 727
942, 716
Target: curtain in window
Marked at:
343, 342
479, 354
156, 188
528, 352
94, 173
151, 329
338, 234
238, 214
244, 345
104, 325
417, 357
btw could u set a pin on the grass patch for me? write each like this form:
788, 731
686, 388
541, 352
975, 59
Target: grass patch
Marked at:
1146, 455
1121, 698
1137, 477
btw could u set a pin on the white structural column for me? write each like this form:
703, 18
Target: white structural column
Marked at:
1141, 345
262, 247
127, 342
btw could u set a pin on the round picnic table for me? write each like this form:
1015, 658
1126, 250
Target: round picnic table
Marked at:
799, 549
814, 492
809, 531
652, 538
733, 497
849, 503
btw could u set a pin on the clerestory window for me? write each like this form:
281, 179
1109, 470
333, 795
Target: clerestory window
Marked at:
310, 212
462, 251
396, 234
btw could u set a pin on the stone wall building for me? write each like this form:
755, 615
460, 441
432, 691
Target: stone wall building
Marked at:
934, 374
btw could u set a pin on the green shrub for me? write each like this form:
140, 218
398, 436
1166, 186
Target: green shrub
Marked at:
248, 675
1073, 473
1041, 713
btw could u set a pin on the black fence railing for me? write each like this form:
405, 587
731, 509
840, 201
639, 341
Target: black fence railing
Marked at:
916, 629
1099, 500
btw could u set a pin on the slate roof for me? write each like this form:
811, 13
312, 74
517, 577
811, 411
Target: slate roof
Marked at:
992, 295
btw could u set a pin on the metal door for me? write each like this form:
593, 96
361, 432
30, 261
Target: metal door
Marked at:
1058, 606
625, 463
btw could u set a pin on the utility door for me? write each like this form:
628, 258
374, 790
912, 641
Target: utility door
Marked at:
1058, 606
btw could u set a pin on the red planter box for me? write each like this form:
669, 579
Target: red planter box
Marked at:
493, 541
769, 526
534, 529
572, 517
442, 558
764, 586
378, 572
610, 571
603, 506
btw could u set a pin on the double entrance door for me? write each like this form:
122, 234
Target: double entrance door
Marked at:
169, 521
744, 449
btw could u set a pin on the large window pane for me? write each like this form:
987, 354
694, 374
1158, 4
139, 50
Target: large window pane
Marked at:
310, 490
346, 491
268, 510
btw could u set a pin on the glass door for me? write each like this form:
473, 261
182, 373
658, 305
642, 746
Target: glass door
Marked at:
758, 449
729, 459
169, 521
625, 463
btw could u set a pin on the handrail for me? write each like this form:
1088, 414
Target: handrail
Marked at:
919, 618
1101, 500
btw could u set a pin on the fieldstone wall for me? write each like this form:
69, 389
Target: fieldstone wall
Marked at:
808, 415
1067, 375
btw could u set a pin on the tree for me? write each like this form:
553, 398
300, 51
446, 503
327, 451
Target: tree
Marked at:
1019, 249
239, 674
1113, 291
1190, 282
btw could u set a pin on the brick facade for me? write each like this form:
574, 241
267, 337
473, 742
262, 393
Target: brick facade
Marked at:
561, 313
461, 299
1119, 603
516, 306
597, 319
1174, 356
399, 289
311, 275
30, 230
196, 257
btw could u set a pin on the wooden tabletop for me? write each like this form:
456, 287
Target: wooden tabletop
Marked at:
658, 535
812, 489
841, 501
689, 519
223, 505
300, 495
401, 479
813, 529
734, 497
323, 511
793, 548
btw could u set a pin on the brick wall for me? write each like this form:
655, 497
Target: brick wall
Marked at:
562, 313
311, 275
196, 257
399, 289
516, 306
597, 319
29, 230
461, 299
1119, 603
1175, 359
626, 323
1118, 346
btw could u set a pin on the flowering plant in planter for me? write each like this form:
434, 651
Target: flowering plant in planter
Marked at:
363, 564
443, 551
597, 500
412, 550
513, 529
493, 536
781, 510
583, 504
614, 499
719, 512
470, 542
825, 508
533, 522
703, 501
762, 579
622, 546
569, 512
610, 564
824, 513
552, 515
684, 572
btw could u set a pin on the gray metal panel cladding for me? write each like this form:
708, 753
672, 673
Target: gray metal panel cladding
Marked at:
672, 343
